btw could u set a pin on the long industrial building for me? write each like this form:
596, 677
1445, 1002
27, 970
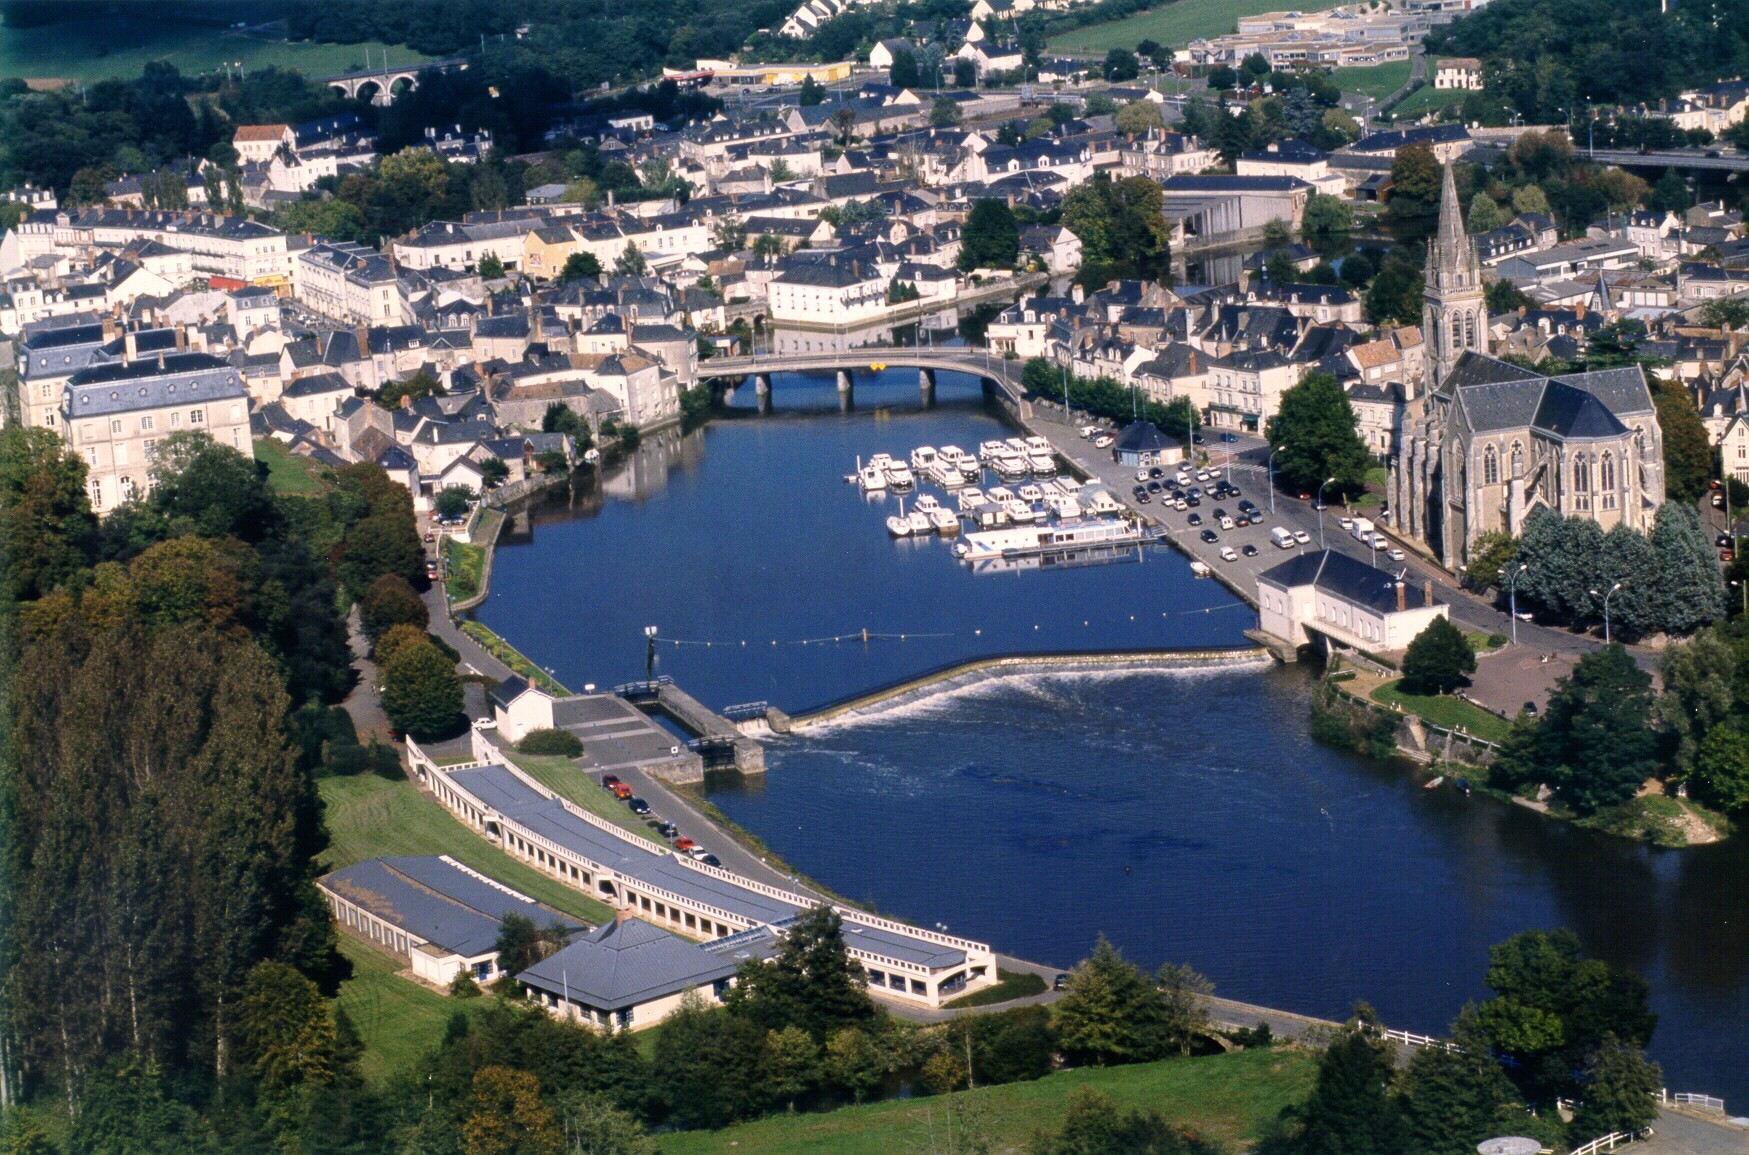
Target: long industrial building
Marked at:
557, 837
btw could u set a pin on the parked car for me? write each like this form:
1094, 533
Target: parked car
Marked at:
1194, 519
638, 805
609, 779
1155, 487
1302, 537
1723, 541
1248, 550
1156, 471
667, 830
1530, 708
1395, 554
1228, 438
1719, 499
684, 844
1141, 475
1228, 553
1210, 536
621, 791
1061, 982
710, 860
430, 535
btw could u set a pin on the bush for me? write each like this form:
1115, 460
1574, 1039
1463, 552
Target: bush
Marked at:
463, 986
560, 742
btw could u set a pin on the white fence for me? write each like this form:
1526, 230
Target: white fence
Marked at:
1607, 1142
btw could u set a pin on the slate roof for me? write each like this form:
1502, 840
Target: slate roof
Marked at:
438, 900
1142, 437
1348, 578
1575, 414
623, 964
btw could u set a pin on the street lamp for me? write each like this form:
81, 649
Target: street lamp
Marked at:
1512, 593
1327, 481
1606, 598
650, 654
1272, 454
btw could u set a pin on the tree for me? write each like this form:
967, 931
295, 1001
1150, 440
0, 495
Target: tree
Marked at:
1121, 64
813, 92
1397, 290
211, 489
1720, 774
792, 1064
494, 471
903, 73
521, 943
944, 113
491, 268
508, 1117
1094, 1125
286, 1030
1351, 1110
1439, 659
1618, 1092
1415, 181
1139, 117
1315, 435
591, 1124
454, 500
422, 695
1699, 677
1688, 451
1504, 297
328, 217
1110, 1010
1485, 214
580, 266
1326, 216
811, 982
1725, 313
853, 1062
1529, 199
1452, 1099
1493, 557
45, 514
389, 602
631, 263
1183, 1005
1222, 77
965, 73
1597, 738
991, 238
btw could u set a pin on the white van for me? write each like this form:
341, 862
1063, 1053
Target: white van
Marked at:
1283, 538
1226, 523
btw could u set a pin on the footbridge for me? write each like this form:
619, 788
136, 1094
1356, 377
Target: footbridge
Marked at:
1004, 375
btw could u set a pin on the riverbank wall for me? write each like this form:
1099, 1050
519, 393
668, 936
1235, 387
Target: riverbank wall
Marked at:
972, 671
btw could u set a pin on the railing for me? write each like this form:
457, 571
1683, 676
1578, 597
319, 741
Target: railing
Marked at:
1690, 1099
745, 711
1607, 1142
1410, 1039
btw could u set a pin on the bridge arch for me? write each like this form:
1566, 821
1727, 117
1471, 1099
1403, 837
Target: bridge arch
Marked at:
367, 89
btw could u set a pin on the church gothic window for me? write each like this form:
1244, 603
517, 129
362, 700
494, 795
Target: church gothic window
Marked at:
1518, 459
1490, 466
1606, 480
1581, 482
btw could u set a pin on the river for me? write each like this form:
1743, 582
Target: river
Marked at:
1186, 815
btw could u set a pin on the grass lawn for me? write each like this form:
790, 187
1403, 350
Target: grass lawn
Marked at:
1174, 24
1229, 1096
561, 775
120, 40
1010, 985
286, 473
512, 657
1428, 99
1446, 711
368, 816
1378, 81
397, 1018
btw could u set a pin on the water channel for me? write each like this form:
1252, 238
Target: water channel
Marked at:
1186, 815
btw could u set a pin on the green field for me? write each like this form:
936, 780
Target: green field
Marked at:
466, 565
121, 43
368, 816
1174, 25
1445, 711
286, 473
396, 1017
1229, 1096
560, 775
1378, 82
1428, 99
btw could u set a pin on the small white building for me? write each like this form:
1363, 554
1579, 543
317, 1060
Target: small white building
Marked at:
1734, 449
439, 915
1346, 603
1459, 72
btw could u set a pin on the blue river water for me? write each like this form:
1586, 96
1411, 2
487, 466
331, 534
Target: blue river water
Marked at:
1187, 815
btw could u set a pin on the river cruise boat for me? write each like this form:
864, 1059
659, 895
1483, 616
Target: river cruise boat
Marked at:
987, 451
899, 476
872, 478
1060, 538
972, 499
1010, 466
1030, 492
919, 521
1037, 445
1000, 494
947, 473
1065, 507
1042, 464
899, 525
927, 503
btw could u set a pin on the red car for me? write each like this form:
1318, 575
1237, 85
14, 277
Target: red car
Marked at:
621, 791
609, 779
684, 844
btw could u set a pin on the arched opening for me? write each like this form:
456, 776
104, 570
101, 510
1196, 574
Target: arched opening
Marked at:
1490, 466
401, 86
340, 88
1606, 479
368, 90
1518, 459
1581, 482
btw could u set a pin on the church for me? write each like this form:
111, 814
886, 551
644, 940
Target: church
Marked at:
1488, 442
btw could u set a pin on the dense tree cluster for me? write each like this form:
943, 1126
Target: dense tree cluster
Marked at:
1111, 398
1122, 228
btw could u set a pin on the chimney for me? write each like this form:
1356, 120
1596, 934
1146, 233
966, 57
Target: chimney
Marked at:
362, 334
407, 403
181, 337
1427, 588
160, 361
110, 330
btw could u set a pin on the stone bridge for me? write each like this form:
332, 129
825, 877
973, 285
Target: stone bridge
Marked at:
382, 86
1004, 375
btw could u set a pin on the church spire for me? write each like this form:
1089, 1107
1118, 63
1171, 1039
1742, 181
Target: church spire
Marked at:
1451, 222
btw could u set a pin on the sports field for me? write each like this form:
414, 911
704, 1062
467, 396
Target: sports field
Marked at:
1174, 25
121, 43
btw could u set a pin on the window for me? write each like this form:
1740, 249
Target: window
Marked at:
175, 420
115, 425
1518, 459
1490, 467
96, 494
196, 417
1606, 480
145, 425
1581, 482
151, 449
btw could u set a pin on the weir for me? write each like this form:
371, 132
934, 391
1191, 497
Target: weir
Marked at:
718, 740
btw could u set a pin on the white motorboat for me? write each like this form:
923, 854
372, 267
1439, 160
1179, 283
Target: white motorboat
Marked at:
1054, 539
882, 461
971, 499
871, 477
1037, 445
927, 503
899, 526
945, 523
919, 522
899, 476
1064, 506
1019, 511
1015, 445
1030, 493
923, 459
953, 454
1010, 466
1000, 494
988, 450
1042, 464
1068, 485
947, 473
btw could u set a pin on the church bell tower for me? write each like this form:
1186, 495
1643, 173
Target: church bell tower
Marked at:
1455, 315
